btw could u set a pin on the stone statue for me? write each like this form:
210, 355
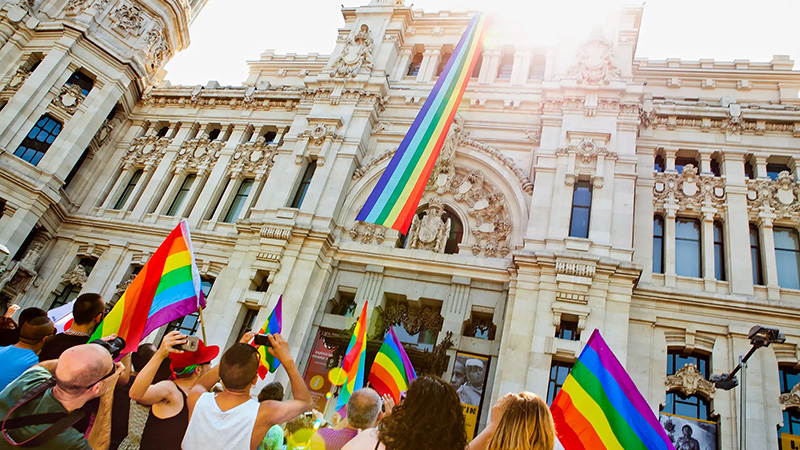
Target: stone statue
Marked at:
430, 232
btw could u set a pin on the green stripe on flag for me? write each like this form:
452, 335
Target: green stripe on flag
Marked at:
174, 278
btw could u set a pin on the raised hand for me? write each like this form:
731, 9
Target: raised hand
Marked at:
280, 348
170, 341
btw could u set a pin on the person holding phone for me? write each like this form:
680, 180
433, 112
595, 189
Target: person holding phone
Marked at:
169, 413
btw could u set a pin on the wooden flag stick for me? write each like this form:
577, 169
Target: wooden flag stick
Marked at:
202, 325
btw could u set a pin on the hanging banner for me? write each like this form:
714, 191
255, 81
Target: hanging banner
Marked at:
690, 434
469, 379
316, 374
790, 442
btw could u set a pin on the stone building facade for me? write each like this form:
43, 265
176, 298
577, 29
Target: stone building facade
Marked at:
579, 188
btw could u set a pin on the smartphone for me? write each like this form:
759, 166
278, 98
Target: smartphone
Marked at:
191, 345
262, 339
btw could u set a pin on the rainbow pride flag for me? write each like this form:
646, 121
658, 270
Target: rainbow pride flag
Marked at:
391, 372
394, 200
274, 324
599, 407
354, 360
167, 288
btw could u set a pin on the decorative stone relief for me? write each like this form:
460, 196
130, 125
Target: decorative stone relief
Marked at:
356, 55
412, 318
77, 276
75, 7
253, 158
587, 150
31, 258
122, 287
688, 190
276, 233
198, 154
575, 268
688, 380
480, 325
146, 150
17, 80
69, 98
780, 197
368, 232
319, 133
158, 49
104, 132
429, 232
595, 63
791, 399
128, 20
534, 135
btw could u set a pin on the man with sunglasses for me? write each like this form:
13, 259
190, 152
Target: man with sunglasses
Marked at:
82, 373
17, 358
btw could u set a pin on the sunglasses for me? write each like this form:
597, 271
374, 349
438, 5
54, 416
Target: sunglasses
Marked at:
72, 386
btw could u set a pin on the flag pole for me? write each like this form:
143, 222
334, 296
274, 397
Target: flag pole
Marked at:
202, 324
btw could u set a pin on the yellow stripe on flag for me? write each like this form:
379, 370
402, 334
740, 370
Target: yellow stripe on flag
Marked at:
177, 261
586, 405
389, 366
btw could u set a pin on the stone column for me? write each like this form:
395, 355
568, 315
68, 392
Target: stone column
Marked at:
770, 263
707, 246
644, 213
101, 273
191, 196
430, 61
119, 185
144, 180
737, 226
761, 166
491, 59
705, 161
522, 63
177, 178
370, 291
669, 158
457, 308
402, 65
669, 245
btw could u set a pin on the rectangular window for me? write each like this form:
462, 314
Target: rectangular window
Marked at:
773, 170
83, 81
538, 63
683, 161
126, 193
442, 63
568, 329
658, 163
476, 71
719, 253
687, 248
789, 377
693, 406
248, 323
505, 67
183, 192
39, 139
413, 67
749, 170
676, 360
581, 208
187, 325
239, 200
302, 189
791, 425
787, 255
558, 375
658, 244
755, 255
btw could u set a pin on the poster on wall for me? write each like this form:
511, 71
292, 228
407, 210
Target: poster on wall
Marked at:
690, 434
790, 442
316, 374
469, 379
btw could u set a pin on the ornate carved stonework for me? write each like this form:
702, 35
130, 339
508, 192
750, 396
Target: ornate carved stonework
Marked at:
595, 63
367, 232
791, 399
198, 154
146, 150
128, 20
356, 55
276, 233
31, 258
534, 135
688, 190
780, 197
104, 132
688, 380
17, 80
480, 325
69, 98
77, 276
587, 149
253, 159
319, 133
158, 49
429, 232
122, 287
575, 268
412, 318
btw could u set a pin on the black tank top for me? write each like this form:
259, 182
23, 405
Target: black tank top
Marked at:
166, 434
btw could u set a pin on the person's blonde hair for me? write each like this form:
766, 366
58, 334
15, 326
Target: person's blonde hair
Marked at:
526, 424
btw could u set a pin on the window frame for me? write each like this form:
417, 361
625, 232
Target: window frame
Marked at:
719, 251
658, 243
795, 283
756, 262
555, 381
129, 187
679, 256
181, 195
414, 66
305, 183
582, 233
239, 200
39, 139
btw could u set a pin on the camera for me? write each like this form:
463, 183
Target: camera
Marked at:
191, 345
262, 339
114, 346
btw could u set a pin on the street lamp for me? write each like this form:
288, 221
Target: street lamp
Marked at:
759, 337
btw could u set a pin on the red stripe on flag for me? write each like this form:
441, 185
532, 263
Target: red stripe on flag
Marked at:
574, 431
383, 382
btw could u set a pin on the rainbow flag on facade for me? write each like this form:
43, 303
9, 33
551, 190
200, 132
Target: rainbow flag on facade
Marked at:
599, 407
167, 288
394, 200
391, 372
354, 360
274, 324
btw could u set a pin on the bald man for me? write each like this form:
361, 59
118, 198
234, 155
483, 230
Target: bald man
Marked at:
17, 358
81, 373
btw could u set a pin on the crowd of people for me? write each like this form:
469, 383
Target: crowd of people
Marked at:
61, 391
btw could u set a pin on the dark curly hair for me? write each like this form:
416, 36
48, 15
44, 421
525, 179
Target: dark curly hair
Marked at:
429, 418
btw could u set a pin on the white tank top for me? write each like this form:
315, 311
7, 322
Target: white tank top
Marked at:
210, 427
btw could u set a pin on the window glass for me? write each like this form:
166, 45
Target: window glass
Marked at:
687, 248
658, 245
581, 207
787, 256
755, 256
558, 375
126, 193
239, 200
181, 195
719, 253
773, 170
456, 232
659, 165
505, 67
789, 377
692, 406
791, 425
568, 329
39, 139
302, 189
82, 80
683, 161
476, 71
413, 67
213, 134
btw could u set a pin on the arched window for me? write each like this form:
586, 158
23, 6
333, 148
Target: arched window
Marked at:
39, 139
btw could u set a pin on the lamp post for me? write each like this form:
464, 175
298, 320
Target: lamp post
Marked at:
759, 337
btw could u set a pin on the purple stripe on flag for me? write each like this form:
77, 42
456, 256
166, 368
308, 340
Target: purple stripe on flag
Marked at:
169, 313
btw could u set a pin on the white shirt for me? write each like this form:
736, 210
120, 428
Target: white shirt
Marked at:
210, 427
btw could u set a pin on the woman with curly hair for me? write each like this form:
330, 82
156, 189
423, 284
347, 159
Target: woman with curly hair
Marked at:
518, 421
429, 418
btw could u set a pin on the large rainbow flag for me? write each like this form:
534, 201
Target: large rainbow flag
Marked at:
167, 288
394, 200
274, 324
391, 372
354, 360
600, 408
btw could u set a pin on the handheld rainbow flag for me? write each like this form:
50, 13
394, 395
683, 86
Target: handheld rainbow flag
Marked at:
394, 200
599, 407
274, 324
354, 360
167, 288
392, 372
